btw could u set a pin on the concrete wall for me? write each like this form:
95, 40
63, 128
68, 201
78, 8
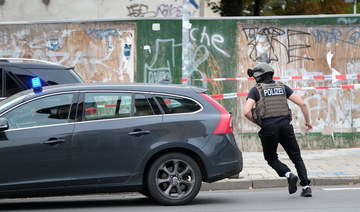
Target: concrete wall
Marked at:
148, 50
100, 51
25, 10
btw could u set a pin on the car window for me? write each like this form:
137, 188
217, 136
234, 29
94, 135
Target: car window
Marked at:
107, 105
142, 106
48, 76
154, 106
11, 86
171, 104
44, 111
1, 82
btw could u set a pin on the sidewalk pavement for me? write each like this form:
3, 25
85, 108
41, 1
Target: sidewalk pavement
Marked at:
325, 167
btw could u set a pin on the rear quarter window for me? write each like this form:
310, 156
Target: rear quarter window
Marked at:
174, 105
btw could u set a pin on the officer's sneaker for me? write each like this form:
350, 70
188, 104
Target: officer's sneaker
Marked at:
292, 180
306, 192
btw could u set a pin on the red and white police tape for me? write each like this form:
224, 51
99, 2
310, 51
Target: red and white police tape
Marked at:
241, 94
285, 78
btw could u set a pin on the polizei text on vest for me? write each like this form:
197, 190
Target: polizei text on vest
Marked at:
273, 91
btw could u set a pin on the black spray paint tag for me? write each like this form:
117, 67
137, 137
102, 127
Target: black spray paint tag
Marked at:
273, 92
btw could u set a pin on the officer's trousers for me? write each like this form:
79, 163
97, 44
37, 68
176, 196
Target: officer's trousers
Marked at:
283, 133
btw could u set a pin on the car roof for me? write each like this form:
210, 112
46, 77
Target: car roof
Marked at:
147, 87
172, 89
31, 65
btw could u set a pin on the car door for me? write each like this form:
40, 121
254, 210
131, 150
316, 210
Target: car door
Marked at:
115, 132
35, 149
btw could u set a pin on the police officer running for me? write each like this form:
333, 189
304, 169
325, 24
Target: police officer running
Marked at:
272, 114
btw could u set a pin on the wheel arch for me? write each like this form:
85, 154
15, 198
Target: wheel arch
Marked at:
195, 156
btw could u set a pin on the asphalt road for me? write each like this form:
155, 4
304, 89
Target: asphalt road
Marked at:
330, 198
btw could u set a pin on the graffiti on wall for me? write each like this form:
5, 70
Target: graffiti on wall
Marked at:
344, 20
213, 40
204, 44
307, 51
162, 65
350, 36
170, 8
265, 41
98, 54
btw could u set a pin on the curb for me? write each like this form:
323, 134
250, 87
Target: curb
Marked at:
236, 184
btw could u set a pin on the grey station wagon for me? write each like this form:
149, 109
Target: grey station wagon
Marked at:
160, 140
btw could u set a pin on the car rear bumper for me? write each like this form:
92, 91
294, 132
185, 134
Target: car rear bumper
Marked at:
227, 171
225, 158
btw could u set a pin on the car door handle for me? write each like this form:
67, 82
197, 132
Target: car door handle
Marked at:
137, 133
54, 141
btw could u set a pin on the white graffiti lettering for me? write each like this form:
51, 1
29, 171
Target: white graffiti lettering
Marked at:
210, 40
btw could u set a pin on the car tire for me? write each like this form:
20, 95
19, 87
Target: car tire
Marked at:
174, 179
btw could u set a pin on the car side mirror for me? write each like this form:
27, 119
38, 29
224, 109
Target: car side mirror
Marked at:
4, 124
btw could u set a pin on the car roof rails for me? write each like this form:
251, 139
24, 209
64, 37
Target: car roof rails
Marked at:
26, 60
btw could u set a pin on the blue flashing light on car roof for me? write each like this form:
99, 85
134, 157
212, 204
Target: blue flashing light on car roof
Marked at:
36, 85
35, 82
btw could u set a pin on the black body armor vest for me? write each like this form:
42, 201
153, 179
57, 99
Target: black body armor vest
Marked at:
272, 103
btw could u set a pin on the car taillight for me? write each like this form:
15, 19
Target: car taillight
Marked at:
224, 125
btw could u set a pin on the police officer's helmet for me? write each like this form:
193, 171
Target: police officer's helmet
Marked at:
260, 69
